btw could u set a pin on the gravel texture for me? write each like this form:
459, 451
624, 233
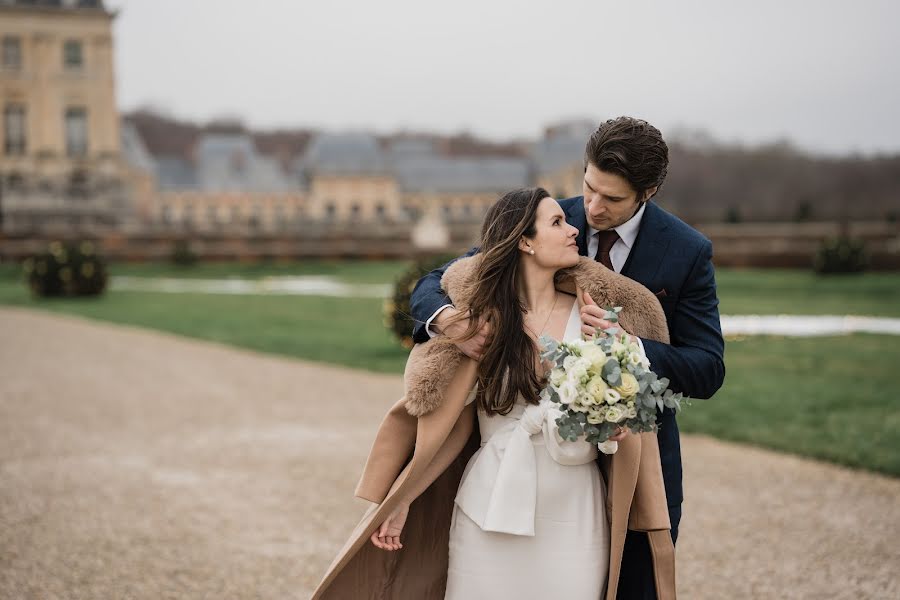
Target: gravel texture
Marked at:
138, 464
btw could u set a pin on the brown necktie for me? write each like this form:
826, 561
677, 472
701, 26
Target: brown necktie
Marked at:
607, 239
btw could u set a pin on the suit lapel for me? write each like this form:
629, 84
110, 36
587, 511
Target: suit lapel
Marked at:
649, 247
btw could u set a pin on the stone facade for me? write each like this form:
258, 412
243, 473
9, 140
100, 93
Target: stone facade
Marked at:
60, 166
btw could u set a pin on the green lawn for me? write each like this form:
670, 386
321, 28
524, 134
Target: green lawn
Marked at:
767, 292
831, 398
350, 271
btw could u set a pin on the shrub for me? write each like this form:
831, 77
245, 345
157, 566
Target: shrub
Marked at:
397, 316
733, 215
183, 255
841, 255
67, 269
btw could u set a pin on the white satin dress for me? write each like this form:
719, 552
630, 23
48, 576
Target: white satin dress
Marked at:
529, 519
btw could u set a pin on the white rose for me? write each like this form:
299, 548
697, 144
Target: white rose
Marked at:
596, 387
595, 356
611, 396
629, 386
614, 414
568, 392
557, 376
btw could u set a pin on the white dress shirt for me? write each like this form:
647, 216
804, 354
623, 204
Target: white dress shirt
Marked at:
618, 254
627, 231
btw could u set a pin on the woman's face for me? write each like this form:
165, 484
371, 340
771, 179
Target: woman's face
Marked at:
554, 240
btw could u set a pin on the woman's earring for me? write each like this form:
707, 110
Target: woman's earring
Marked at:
531, 252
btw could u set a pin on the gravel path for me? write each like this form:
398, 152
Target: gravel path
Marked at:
138, 464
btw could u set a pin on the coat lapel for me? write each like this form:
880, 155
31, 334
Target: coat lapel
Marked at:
650, 245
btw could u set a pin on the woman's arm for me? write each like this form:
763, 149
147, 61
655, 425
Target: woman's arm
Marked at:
387, 537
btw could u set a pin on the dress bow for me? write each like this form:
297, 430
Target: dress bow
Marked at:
499, 492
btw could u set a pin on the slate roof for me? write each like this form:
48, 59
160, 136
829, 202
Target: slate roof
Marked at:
133, 149
345, 153
230, 162
561, 146
424, 174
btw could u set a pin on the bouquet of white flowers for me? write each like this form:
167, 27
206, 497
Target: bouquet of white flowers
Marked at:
604, 383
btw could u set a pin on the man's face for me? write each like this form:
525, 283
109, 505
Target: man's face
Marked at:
609, 200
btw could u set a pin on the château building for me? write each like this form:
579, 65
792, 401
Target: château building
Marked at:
61, 168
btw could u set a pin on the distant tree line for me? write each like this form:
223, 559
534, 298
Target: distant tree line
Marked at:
777, 182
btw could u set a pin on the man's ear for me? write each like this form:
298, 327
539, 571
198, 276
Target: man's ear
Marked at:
649, 193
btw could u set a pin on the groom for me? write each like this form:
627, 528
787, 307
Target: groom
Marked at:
625, 162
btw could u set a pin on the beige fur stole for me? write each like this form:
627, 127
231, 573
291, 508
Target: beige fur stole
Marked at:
431, 366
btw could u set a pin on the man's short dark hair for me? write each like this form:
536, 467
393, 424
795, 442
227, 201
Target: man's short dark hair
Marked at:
631, 148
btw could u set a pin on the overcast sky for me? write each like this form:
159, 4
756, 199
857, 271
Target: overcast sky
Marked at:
823, 74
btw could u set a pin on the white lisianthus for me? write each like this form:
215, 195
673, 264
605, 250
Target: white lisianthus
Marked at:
595, 417
578, 406
557, 376
629, 386
568, 392
631, 411
611, 396
585, 399
619, 349
596, 387
614, 414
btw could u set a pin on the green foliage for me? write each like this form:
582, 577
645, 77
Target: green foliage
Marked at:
66, 269
803, 213
397, 314
841, 255
182, 254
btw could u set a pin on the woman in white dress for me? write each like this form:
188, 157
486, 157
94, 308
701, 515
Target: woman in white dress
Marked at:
529, 519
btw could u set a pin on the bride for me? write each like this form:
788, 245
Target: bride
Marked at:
505, 538
527, 515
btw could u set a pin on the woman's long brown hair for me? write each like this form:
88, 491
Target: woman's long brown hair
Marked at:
507, 367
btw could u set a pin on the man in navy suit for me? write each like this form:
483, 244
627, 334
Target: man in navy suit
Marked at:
626, 161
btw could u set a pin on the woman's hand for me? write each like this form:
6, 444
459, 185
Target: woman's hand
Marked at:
387, 537
619, 435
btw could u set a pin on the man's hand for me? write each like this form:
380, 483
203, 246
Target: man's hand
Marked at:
592, 318
473, 348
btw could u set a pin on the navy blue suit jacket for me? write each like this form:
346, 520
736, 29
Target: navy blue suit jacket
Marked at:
674, 261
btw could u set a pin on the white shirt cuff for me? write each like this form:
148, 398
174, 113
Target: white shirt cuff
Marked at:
641, 345
431, 333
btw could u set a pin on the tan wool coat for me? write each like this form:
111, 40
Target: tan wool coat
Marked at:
437, 381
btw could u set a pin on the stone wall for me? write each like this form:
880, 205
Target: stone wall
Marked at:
738, 245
